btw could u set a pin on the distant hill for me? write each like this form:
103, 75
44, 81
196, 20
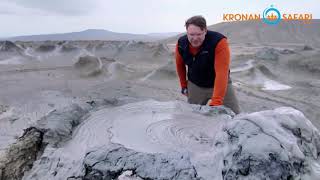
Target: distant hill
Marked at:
258, 32
93, 34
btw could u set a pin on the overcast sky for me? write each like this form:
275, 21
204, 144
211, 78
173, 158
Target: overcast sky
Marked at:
26, 17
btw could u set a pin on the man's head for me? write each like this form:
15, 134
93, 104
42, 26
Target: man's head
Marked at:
196, 30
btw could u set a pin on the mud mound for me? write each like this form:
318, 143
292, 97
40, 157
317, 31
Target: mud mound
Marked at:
146, 166
160, 50
115, 45
268, 54
107, 59
88, 66
3, 108
10, 53
44, 48
175, 140
9, 49
134, 52
121, 71
8, 46
259, 77
91, 47
68, 48
287, 51
107, 48
309, 64
166, 72
266, 71
20, 156
307, 48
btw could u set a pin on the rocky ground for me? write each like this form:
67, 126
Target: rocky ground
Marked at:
112, 109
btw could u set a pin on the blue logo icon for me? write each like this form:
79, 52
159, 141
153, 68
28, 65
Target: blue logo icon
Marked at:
271, 15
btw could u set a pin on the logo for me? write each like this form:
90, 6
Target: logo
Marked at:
270, 16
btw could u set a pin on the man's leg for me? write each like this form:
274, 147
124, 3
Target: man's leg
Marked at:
230, 99
197, 95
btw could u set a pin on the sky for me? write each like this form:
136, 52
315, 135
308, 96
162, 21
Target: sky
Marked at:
30, 17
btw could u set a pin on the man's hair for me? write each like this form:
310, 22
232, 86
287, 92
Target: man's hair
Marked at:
199, 21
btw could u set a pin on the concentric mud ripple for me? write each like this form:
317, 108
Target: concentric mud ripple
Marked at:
158, 131
191, 134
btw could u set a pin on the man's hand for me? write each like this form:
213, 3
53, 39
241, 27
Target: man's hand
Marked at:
184, 91
211, 103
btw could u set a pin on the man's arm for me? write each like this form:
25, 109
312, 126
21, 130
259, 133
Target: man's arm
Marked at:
222, 63
181, 69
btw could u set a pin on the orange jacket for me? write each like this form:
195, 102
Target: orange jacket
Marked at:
221, 67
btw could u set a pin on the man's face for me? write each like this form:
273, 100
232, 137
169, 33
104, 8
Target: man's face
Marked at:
195, 35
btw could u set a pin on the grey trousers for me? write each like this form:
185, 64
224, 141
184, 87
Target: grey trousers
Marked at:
200, 95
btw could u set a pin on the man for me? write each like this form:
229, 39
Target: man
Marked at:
207, 57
